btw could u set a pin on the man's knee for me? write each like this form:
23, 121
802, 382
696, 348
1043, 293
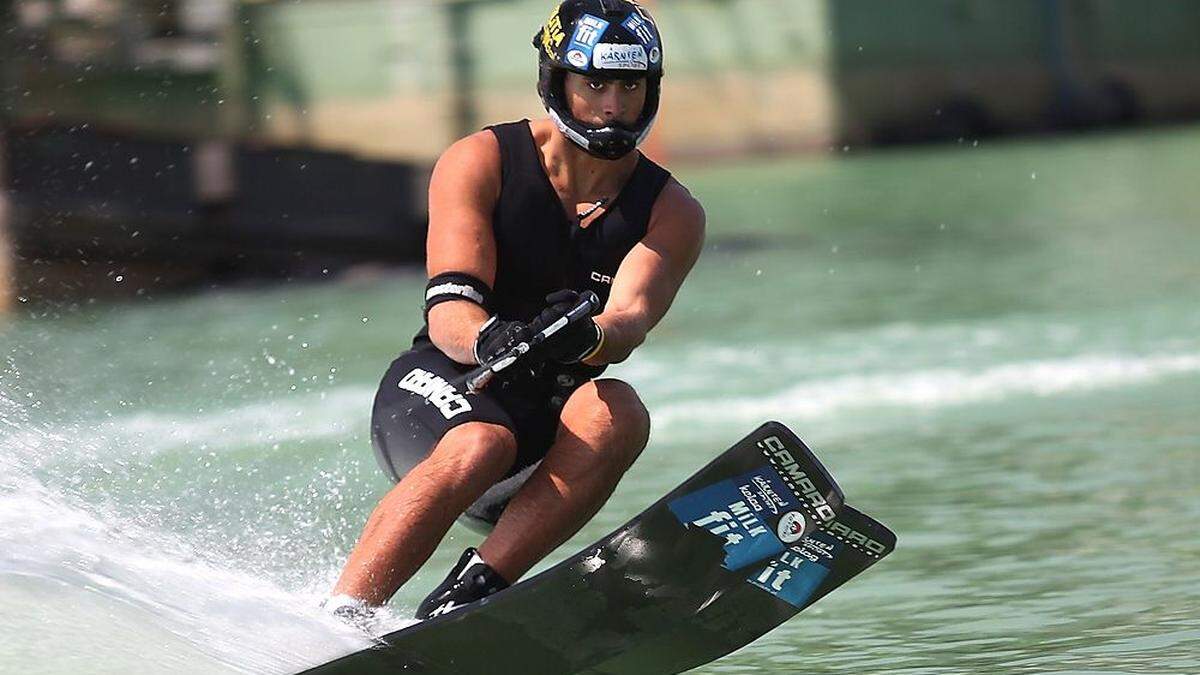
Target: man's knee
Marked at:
609, 413
476, 446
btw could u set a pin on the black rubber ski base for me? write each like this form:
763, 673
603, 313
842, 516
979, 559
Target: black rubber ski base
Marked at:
747, 542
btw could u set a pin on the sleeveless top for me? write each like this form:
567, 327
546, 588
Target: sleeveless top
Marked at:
539, 249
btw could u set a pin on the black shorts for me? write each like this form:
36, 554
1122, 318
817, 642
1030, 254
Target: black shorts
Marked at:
417, 404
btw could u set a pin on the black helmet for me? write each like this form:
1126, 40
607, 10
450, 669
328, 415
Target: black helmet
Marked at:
602, 38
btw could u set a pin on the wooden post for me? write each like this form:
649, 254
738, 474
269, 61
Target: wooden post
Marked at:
462, 67
7, 271
654, 147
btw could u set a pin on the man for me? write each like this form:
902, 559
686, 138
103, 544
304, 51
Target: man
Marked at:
523, 218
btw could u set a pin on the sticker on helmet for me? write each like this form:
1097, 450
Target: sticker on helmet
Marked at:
588, 30
641, 11
619, 57
577, 58
655, 55
640, 27
552, 34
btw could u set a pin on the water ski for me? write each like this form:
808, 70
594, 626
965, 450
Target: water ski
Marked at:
737, 549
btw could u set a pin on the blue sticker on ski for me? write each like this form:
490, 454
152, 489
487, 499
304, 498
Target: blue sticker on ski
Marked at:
742, 510
794, 575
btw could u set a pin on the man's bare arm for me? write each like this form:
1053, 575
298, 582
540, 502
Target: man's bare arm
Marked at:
462, 193
651, 274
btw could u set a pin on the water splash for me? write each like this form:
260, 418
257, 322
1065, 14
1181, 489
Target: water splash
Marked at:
66, 546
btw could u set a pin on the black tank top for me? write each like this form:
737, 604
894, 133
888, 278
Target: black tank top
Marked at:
540, 250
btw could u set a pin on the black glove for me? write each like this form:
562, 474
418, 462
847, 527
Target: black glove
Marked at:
572, 343
496, 337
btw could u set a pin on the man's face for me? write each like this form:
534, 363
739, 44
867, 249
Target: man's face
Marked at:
601, 101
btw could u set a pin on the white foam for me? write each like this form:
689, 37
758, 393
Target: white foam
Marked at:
934, 388
151, 577
233, 617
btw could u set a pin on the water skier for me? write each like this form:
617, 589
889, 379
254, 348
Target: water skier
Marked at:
524, 219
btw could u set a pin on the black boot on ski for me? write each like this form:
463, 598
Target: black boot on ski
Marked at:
470, 580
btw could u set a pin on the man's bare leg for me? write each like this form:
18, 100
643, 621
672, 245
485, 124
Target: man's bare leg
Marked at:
603, 429
410, 521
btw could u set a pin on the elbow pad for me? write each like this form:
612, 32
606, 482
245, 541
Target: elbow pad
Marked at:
449, 286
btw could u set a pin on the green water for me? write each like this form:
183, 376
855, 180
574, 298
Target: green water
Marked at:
995, 348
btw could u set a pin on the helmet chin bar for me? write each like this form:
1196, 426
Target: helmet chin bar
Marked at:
609, 142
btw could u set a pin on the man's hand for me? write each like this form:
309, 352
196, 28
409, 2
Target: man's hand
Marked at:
569, 344
497, 337
573, 343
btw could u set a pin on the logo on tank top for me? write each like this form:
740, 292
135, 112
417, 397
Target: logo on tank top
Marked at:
602, 278
437, 391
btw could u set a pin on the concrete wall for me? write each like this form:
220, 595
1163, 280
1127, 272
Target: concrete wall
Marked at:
1152, 49
924, 67
371, 76
942, 68
94, 62
402, 79
379, 77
